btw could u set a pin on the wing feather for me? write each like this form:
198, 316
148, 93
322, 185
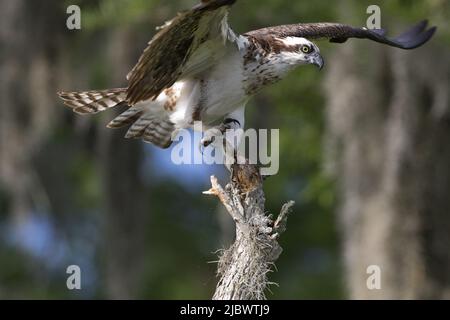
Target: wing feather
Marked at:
340, 33
163, 61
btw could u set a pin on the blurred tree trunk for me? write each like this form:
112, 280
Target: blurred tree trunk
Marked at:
388, 128
126, 215
26, 93
125, 204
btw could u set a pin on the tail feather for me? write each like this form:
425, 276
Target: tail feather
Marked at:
91, 102
125, 119
159, 132
151, 127
137, 130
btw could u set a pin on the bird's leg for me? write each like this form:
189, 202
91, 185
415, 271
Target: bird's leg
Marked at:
210, 135
228, 136
233, 121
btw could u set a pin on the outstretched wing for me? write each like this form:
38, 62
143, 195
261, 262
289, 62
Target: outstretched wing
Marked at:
174, 49
340, 33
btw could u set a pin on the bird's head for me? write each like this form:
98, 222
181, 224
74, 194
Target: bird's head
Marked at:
300, 51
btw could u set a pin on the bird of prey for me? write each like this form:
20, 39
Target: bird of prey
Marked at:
196, 68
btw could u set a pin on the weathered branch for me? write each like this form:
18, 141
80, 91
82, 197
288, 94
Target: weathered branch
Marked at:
244, 266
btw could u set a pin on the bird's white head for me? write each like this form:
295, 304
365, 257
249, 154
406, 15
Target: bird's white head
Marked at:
300, 51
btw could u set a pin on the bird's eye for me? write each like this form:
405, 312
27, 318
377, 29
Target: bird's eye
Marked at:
306, 49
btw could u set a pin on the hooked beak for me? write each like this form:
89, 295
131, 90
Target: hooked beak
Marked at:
318, 61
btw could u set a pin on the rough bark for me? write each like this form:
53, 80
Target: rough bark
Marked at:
388, 129
243, 268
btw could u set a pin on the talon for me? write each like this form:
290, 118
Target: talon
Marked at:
207, 142
204, 143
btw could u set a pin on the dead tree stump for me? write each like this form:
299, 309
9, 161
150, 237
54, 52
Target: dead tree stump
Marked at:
243, 268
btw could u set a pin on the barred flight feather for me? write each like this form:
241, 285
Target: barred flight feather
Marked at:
90, 102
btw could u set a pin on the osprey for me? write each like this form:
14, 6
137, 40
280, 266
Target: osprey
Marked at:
196, 68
